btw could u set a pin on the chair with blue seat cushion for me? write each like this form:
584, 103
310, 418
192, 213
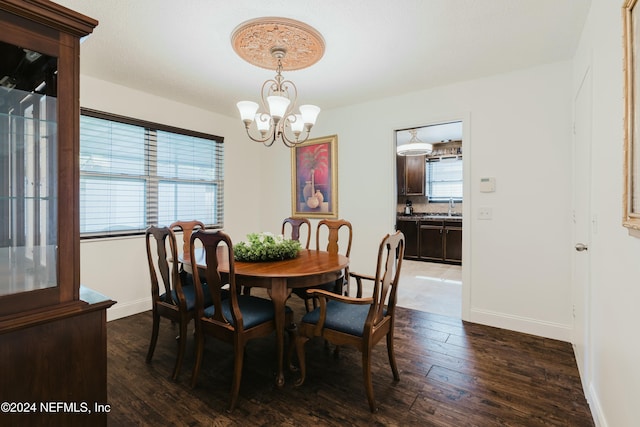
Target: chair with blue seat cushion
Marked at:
236, 319
358, 322
177, 302
328, 237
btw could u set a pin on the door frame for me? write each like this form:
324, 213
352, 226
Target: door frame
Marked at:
465, 118
582, 230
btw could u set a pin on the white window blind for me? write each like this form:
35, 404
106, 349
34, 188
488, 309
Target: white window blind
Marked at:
444, 179
135, 174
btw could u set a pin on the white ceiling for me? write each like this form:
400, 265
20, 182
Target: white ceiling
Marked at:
374, 48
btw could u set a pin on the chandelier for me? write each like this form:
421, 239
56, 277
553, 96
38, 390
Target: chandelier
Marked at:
283, 44
414, 147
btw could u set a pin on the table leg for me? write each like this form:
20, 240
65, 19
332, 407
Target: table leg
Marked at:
279, 295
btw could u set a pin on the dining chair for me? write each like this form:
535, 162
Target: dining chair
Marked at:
296, 226
328, 231
359, 322
235, 319
187, 227
177, 301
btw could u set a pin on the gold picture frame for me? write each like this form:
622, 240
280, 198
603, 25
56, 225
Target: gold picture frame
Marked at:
314, 178
631, 193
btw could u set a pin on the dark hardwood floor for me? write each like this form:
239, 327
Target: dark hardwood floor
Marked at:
452, 373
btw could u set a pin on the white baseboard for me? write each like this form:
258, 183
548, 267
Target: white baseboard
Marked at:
525, 325
596, 408
130, 308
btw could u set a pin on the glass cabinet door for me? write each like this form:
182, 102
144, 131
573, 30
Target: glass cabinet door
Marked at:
28, 170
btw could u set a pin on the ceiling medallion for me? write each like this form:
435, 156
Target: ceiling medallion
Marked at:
253, 40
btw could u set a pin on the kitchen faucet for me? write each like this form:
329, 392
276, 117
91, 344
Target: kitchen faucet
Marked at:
451, 205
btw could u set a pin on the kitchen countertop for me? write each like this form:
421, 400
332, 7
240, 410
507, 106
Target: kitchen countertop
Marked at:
429, 216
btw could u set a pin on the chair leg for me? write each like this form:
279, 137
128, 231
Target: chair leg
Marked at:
292, 330
368, 385
182, 346
392, 356
306, 304
237, 373
300, 342
199, 349
154, 336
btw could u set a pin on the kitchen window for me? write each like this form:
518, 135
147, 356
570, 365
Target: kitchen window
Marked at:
134, 174
444, 179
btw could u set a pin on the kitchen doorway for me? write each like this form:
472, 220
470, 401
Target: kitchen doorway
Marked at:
429, 203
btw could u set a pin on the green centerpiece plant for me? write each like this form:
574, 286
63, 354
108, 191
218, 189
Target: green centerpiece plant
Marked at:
265, 247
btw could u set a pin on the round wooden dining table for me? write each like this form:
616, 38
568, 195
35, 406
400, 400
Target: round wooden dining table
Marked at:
310, 268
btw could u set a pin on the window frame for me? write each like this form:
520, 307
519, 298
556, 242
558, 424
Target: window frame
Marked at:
429, 181
151, 177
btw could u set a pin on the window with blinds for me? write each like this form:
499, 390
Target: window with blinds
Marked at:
444, 179
134, 174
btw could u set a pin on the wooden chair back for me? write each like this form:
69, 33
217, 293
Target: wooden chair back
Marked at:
164, 272
385, 288
212, 242
336, 232
187, 227
297, 226
332, 229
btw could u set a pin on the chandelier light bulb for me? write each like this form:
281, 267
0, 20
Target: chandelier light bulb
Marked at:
247, 111
297, 124
263, 123
309, 114
278, 106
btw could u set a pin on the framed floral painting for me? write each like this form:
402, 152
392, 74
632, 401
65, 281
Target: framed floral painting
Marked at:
314, 178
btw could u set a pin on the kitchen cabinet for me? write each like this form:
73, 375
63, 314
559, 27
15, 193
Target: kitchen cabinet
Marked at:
410, 231
429, 239
52, 329
453, 242
410, 175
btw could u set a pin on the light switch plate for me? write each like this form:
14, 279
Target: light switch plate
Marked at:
484, 213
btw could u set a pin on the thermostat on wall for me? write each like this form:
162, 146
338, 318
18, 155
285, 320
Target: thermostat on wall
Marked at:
487, 185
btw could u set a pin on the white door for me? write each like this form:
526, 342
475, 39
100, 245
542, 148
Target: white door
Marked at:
581, 218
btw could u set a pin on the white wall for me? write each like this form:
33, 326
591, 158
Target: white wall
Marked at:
612, 383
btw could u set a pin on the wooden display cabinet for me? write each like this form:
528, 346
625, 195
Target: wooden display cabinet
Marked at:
52, 330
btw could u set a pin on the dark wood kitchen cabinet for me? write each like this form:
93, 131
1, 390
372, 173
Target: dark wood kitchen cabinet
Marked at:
52, 330
410, 230
432, 239
453, 242
410, 175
